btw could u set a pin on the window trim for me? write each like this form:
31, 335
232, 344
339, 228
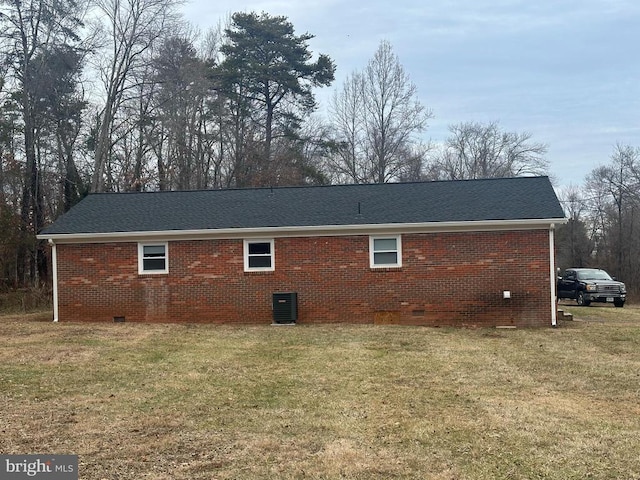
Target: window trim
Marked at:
141, 269
272, 255
397, 251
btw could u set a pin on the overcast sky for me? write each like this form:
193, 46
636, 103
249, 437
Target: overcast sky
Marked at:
566, 71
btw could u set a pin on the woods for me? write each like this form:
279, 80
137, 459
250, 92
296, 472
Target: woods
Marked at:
603, 229
116, 96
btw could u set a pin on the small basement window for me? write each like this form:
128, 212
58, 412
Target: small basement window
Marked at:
259, 256
385, 252
153, 258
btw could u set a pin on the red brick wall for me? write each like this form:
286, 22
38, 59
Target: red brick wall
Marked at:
446, 279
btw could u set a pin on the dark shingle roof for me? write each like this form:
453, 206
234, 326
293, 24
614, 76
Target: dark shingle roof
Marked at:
420, 202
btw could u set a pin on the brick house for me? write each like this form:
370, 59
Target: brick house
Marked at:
475, 252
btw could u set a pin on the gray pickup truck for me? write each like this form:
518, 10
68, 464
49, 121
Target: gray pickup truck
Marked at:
586, 285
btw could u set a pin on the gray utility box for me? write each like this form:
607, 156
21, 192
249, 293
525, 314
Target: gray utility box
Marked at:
285, 307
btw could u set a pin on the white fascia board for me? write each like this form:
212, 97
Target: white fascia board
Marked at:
306, 231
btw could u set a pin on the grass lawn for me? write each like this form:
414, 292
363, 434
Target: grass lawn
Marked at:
360, 402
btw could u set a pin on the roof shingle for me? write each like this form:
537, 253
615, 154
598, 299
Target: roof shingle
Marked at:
334, 205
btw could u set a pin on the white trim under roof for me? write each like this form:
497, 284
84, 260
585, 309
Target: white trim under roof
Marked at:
305, 231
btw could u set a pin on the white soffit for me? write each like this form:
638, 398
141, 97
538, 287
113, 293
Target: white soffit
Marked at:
306, 231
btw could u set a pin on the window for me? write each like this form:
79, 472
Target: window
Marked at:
153, 258
385, 252
258, 256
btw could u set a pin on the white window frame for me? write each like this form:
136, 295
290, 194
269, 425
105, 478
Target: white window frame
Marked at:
141, 269
397, 251
272, 255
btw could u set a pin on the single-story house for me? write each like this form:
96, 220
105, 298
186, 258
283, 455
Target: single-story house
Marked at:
465, 253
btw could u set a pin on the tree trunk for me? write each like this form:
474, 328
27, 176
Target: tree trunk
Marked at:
268, 138
103, 146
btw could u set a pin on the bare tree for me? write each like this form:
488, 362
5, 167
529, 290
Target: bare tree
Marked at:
574, 245
347, 115
476, 150
616, 187
377, 115
393, 113
132, 28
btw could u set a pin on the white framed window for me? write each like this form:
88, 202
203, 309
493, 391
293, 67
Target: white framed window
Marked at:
385, 252
259, 255
153, 258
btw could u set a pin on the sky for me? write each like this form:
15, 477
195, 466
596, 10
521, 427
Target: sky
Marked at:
565, 71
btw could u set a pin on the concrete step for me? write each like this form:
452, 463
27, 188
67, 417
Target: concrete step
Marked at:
562, 315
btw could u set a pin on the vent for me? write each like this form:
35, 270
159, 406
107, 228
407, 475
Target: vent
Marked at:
118, 319
285, 307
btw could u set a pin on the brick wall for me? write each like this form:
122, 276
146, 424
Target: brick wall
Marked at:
446, 279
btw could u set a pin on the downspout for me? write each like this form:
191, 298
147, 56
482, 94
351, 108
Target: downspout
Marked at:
54, 267
552, 275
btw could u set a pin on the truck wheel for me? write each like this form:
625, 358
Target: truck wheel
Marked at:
583, 302
618, 303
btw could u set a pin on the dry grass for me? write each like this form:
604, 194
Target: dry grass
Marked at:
22, 301
325, 402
